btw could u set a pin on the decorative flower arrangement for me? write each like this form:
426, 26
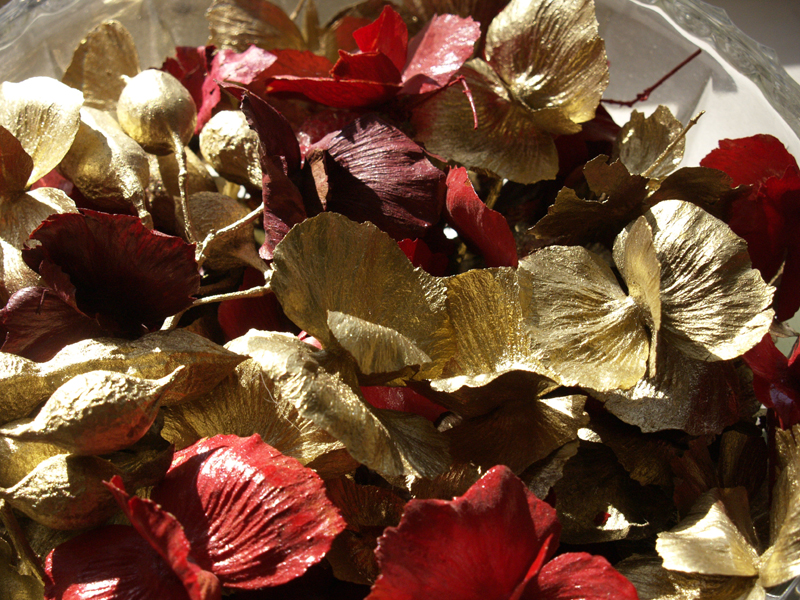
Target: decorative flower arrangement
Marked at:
419, 321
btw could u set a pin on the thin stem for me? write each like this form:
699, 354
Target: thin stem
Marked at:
643, 96
211, 237
183, 185
19, 540
692, 122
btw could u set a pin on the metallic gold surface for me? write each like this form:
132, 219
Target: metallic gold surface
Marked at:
238, 24
13, 584
18, 458
642, 140
230, 146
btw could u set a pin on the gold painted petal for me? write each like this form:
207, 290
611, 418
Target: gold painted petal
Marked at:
65, 492
99, 62
517, 434
550, 55
787, 485
453, 482
325, 391
585, 329
708, 542
238, 24
24, 383
376, 349
18, 458
692, 395
13, 584
329, 263
598, 502
15, 166
44, 115
14, 273
95, 413
709, 189
714, 306
642, 140
20, 216
509, 141
635, 257
542, 475
107, 166
243, 404
653, 582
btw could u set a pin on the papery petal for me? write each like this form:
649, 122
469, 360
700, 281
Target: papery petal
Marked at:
110, 563
421, 256
750, 160
277, 139
338, 93
97, 251
775, 384
438, 51
372, 66
403, 399
484, 227
237, 317
15, 164
255, 517
579, 576
642, 140
239, 24
387, 35
196, 69
485, 544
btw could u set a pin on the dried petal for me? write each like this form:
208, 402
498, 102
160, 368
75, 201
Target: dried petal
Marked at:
642, 140
18, 458
238, 24
14, 584
195, 68
16, 165
578, 575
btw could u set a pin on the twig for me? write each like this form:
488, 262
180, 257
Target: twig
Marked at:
19, 540
211, 237
692, 122
642, 96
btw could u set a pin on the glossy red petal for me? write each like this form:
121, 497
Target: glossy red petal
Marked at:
110, 563
381, 175
403, 399
388, 35
38, 322
480, 225
423, 257
256, 517
579, 576
237, 317
750, 160
336, 93
126, 276
372, 66
243, 68
438, 51
478, 546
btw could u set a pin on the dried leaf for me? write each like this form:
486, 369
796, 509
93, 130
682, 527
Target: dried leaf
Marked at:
100, 61
95, 413
65, 492
642, 140
237, 24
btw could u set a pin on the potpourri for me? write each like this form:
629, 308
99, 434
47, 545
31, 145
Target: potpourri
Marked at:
388, 308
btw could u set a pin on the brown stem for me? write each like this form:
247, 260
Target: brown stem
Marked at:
21, 545
201, 249
692, 122
642, 96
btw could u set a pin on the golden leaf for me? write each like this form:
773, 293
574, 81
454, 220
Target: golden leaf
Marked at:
230, 146
238, 24
44, 115
714, 306
18, 458
65, 492
641, 141
95, 413
99, 62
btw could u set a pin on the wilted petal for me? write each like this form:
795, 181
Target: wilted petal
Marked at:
238, 24
642, 140
43, 114
714, 306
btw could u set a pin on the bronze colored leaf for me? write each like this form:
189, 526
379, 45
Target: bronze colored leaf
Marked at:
15, 166
509, 140
551, 58
238, 24
43, 114
323, 389
18, 458
24, 384
99, 62
230, 146
714, 306
641, 141
65, 492
586, 329
708, 542
95, 413
107, 166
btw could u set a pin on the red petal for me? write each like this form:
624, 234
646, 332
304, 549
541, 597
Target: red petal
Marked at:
485, 228
256, 517
237, 317
750, 160
166, 536
127, 277
365, 67
192, 66
336, 93
421, 256
278, 142
438, 51
776, 383
478, 546
110, 563
387, 34
403, 399
579, 576
245, 67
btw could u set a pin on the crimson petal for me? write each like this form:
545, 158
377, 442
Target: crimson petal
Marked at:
750, 160
403, 399
579, 576
127, 277
479, 224
776, 381
196, 69
422, 256
237, 317
478, 546
387, 34
255, 517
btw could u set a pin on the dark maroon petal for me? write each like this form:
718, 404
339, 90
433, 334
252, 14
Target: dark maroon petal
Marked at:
478, 546
438, 51
387, 34
126, 276
196, 68
373, 66
237, 317
278, 142
776, 383
323, 123
379, 174
421, 256
110, 563
403, 399
256, 517
166, 536
579, 576
283, 207
480, 225
750, 160
38, 322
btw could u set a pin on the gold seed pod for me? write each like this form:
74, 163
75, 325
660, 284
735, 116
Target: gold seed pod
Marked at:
231, 148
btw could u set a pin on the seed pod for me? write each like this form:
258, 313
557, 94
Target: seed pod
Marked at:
65, 492
230, 146
95, 413
107, 166
18, 458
